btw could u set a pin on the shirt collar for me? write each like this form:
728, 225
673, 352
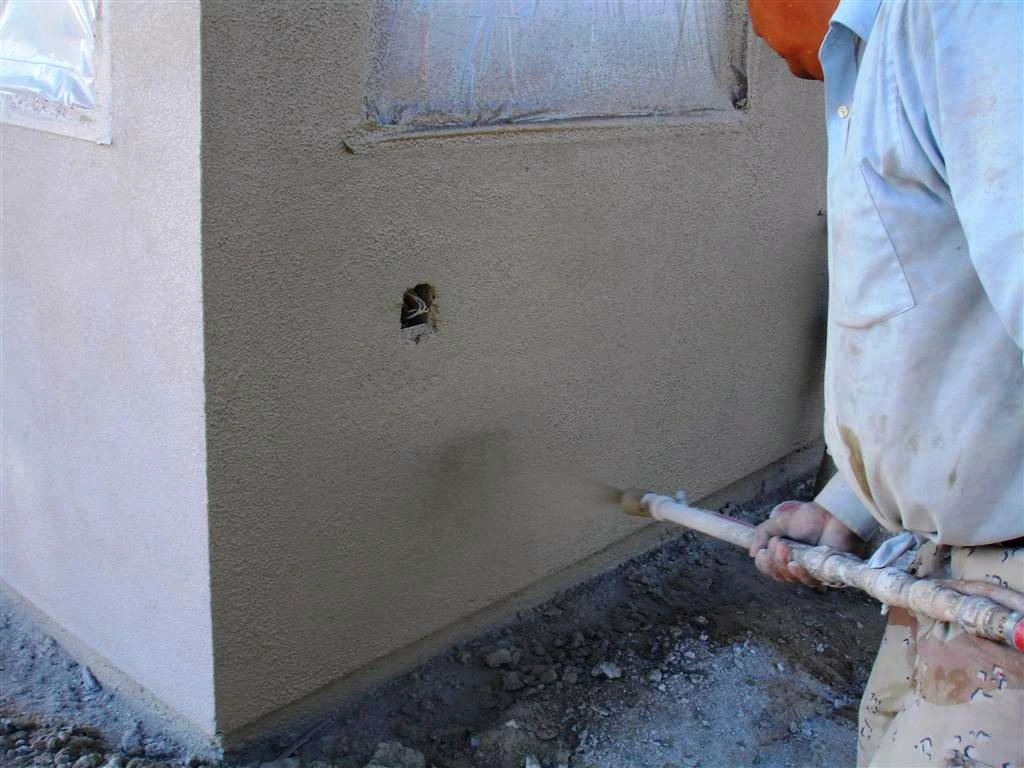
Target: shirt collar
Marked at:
857, 15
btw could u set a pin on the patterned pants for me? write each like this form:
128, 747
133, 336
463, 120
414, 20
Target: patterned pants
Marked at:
938, 696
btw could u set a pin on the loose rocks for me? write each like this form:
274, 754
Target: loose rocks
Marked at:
499, 658
132, 742
90, 683
393, 754
159, 747
608, 670
511, 681
288, 762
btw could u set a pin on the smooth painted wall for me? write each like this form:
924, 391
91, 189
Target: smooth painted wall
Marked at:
104, 515
638, 305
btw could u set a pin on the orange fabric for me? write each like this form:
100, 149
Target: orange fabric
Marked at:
794, 29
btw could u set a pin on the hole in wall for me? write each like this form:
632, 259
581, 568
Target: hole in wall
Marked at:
418, 306
740, 97
419, 311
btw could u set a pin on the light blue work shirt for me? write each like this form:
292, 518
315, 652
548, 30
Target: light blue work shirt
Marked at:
924, 383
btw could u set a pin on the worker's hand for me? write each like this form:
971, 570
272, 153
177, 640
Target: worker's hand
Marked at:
802, 521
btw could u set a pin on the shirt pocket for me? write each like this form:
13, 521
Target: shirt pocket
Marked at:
867, 281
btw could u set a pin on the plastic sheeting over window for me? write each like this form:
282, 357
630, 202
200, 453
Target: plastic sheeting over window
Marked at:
439, 63
47, 50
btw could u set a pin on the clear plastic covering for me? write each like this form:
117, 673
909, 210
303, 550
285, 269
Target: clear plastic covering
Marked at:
47, 51
481, 62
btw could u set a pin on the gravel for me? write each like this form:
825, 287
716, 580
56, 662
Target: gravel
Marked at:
393, 754
499, 658
132, 742
608, 670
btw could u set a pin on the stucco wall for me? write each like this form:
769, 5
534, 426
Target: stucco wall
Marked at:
635, 305
104, 524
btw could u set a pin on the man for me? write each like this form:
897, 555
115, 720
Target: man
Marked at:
924, 381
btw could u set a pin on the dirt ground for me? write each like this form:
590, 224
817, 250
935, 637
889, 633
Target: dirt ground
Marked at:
682, 657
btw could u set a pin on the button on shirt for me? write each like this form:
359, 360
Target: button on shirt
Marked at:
924, 382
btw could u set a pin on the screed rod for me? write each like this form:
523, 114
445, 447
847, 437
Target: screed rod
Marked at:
976, 614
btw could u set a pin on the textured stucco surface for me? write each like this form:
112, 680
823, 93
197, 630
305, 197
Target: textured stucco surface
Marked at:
104, 524
638, 306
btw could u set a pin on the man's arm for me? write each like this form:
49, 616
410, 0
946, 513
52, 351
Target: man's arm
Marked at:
971, 74
839, 498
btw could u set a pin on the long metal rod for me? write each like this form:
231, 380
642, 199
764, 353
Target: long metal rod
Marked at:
976, 614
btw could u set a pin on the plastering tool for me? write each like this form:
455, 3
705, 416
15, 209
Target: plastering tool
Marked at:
977, 614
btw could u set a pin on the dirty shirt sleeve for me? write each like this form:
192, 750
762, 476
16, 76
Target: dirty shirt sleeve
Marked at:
839, 499
971, 74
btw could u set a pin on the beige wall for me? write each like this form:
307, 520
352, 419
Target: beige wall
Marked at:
636, 305
104, 523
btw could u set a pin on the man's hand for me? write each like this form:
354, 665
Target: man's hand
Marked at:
800, 521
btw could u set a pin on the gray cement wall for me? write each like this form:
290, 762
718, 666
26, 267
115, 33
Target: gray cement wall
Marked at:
104, 525
637, 305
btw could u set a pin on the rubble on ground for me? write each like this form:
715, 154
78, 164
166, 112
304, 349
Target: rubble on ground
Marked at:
683, 657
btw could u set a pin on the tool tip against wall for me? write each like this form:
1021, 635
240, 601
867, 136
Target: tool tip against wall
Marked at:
631, 501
